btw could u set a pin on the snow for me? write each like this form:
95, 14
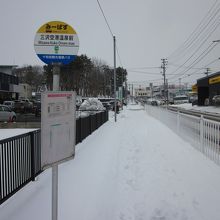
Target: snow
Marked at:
91, 104
211, 109
7, 133
134, 169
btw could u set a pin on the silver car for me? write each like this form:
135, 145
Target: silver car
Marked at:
6, 114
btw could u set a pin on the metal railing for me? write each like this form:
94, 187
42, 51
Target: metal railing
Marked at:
85, 126
20, 159
201, 133
20, 156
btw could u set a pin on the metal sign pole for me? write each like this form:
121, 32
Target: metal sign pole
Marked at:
56, 80
54, 192
64, 52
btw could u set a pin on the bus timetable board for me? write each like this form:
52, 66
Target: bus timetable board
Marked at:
57, 127
56, 42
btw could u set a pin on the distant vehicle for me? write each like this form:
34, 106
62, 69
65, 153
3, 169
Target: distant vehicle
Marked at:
6, 114
180, 99
206, 102
107, 105
195, 102
28, 105
154, 102
192, 96
10, 104
23, 106
37, 109
216, 100
19, 106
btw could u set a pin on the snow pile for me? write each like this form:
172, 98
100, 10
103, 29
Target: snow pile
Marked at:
91, 104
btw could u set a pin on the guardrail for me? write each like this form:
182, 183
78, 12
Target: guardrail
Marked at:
201, 133
20, 156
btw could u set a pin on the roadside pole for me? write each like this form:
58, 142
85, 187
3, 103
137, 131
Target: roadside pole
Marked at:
56, 85
114, 43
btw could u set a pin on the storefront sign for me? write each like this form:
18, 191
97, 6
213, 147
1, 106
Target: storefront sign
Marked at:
214, 80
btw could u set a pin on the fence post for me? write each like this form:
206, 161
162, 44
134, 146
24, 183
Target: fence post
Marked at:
32, 157
202, 133
90, 124
106, 116
1, 181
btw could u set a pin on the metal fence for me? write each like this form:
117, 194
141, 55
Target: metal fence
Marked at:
85, 126
201, 133
20, 156
19, 162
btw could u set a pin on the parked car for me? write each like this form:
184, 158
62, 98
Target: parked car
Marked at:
216, 100
28, 105
19, 106
10, 104
37, 109
6, 114
23, 106
154, 102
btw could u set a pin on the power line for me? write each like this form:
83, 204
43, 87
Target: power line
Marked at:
148, 73
193, 35
136, 71
201, 56
105, 18
110, 30
183, 67
147, 81
202, 43
198, 38
136, 68
204, 67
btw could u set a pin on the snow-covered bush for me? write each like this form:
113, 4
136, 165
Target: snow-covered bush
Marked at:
91, 104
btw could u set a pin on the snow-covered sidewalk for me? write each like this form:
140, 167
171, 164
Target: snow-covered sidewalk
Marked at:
134, 169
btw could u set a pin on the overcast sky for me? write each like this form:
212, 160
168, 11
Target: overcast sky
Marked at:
146, 31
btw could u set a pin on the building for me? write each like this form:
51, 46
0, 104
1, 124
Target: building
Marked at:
208, 87
9, 88
142, 92
25, 91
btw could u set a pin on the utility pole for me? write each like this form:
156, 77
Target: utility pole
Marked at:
114, 45
207, 71
179, 86
163, 66
126, 92
132, 89
122, 75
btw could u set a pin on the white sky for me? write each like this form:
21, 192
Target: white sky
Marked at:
124, 171
145, 30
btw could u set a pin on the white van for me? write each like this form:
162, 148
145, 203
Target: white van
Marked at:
180, 99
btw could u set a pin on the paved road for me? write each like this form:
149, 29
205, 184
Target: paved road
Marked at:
29, 117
